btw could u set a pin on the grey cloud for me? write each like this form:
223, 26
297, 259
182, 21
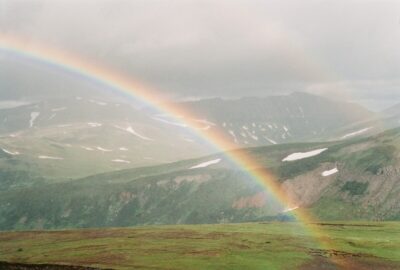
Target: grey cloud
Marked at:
227, 48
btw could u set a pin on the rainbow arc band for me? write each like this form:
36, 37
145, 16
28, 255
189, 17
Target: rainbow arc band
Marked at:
85, 70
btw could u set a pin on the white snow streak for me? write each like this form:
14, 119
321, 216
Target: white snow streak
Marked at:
233, 135
132, 131
254, 137
301, 155
120, 161
94, 124
270, 140
13, 153
58, 109
206, 164
50, 157
290, 209
206, 122
356, 133
329, 172
34, 115
98, 102
170, 122
103, 149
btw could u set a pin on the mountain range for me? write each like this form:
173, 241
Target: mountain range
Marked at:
78, 136
90, 162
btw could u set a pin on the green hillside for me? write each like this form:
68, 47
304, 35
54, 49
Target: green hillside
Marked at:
366, 187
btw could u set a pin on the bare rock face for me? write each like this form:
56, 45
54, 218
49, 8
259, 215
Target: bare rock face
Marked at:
308, 188
257, 200
381, 190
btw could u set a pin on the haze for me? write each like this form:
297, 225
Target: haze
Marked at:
195, 49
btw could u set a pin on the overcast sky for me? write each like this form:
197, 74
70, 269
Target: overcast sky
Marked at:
189, 49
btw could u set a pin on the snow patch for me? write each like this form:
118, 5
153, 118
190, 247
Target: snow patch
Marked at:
120, 161
254, 137
123, 149
290, 209
59, 109
50, 157
13, 153
169, 122
103, 149
94, 124
329, 172
34, 115
233, 135
205, 128
270, 140
206, 122
132, 131
356, 133
98, 102
206, 164
8, 104
87, 148
301, 155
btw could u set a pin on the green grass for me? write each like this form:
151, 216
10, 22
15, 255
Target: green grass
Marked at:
355, 188
224, 246
373, 159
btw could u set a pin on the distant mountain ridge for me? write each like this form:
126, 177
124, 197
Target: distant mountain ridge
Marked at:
79, 136
253, 121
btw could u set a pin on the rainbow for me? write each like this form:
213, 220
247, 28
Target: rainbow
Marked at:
94, 72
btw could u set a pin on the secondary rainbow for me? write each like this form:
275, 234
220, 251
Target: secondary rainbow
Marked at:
76, 65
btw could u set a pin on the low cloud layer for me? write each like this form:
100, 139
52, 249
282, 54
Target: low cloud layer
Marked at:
187, 49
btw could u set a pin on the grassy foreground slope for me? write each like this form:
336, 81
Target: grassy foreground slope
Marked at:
236, 246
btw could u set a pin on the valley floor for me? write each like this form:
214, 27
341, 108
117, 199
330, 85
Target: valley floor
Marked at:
357, 245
